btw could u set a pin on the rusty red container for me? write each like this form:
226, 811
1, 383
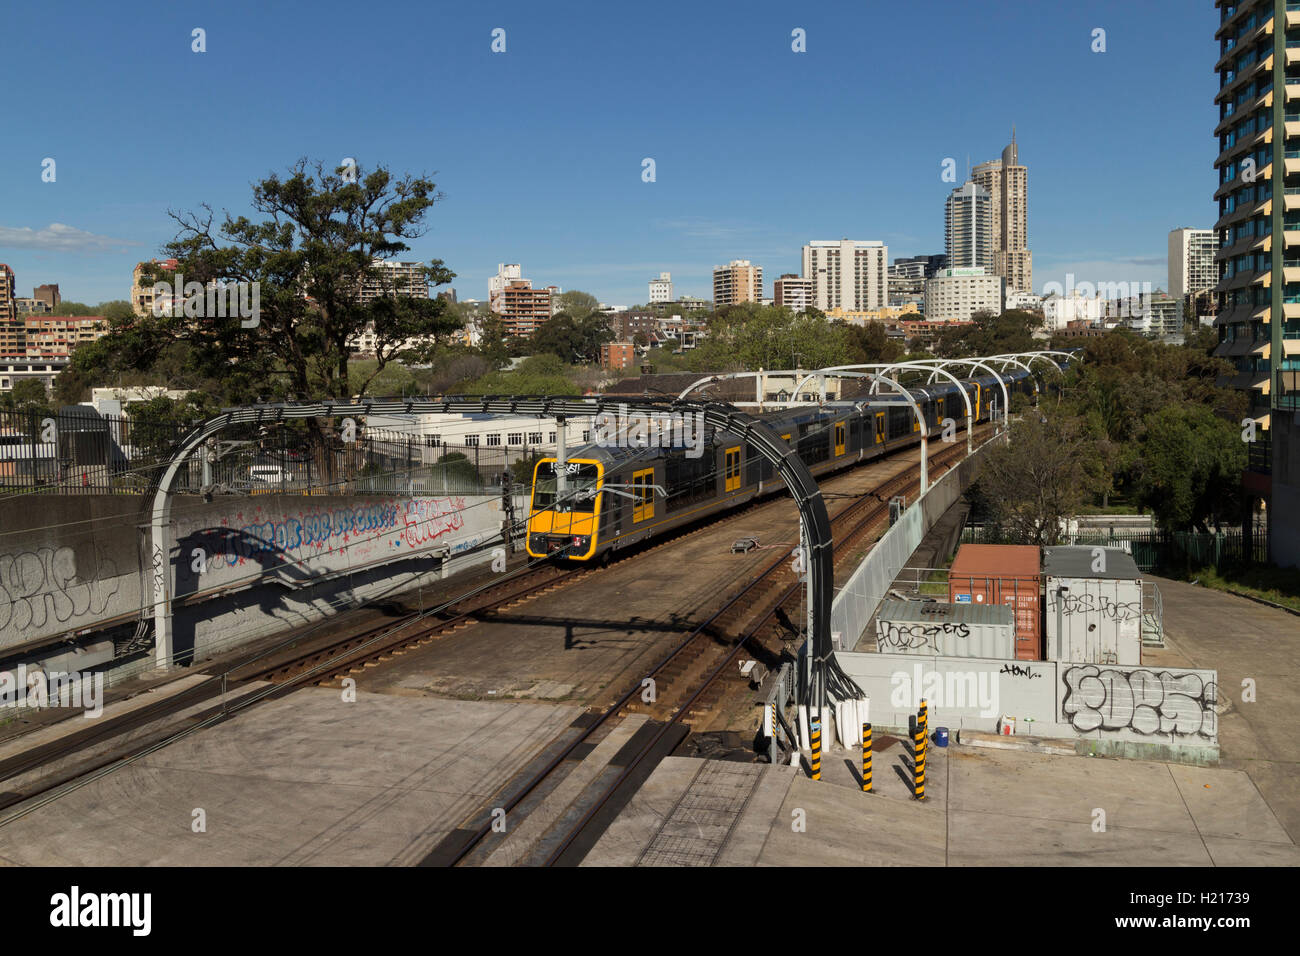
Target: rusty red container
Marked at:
1003, 574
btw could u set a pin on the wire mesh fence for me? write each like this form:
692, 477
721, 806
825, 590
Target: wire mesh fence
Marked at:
79, 451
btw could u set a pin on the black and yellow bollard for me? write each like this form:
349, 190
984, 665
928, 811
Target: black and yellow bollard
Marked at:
923, 718
866, 758
774, 723
918, 762
816, 761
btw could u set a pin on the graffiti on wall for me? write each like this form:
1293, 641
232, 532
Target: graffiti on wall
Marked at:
372, 528
895, 636
45, 587
1143, 701
1094, 604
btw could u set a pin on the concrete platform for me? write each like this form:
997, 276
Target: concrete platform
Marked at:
307, 779
982, 806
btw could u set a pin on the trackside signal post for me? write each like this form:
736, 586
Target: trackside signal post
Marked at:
757, 434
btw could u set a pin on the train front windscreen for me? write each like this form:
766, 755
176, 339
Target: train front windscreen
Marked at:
582, 481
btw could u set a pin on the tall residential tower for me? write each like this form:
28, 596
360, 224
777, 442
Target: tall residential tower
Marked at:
1007, 183
1259, 248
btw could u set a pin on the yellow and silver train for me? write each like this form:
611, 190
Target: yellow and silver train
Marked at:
616, 497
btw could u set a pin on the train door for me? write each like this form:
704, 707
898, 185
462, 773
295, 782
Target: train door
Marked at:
643, 496
839, 438
880, 428
732, 470
938, 411
978, 415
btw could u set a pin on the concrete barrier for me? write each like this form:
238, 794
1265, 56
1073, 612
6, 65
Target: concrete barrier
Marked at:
1169, 713
240, 568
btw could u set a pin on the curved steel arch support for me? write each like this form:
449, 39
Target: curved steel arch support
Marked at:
925, 432
788, 465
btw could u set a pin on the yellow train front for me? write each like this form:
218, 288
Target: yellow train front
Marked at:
566, 527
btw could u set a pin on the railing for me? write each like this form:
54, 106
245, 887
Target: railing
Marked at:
77, 451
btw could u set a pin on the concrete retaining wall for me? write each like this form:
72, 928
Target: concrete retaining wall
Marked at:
1111, 705
240, 567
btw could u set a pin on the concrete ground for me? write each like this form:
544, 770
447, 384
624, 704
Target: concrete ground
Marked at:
982, 806
304, 780
1243, 640
1016, 807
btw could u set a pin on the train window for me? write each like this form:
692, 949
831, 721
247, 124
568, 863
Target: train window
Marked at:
880, 428
839, 438
732, 470
643, 500
580, 491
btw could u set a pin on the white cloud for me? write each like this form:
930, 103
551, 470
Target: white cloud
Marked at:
60, 238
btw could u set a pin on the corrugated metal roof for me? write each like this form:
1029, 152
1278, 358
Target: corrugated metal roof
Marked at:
937, 612
996, 560
1075, 561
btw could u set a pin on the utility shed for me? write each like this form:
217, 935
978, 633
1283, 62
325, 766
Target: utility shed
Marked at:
952, 630
1094, 605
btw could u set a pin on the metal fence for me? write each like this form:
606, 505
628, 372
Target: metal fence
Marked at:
1157, 550
79, 451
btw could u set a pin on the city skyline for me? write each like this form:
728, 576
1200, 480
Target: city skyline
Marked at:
721, 192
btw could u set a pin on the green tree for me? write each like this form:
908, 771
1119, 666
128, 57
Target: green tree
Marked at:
578, 304
28, 395
1031, 484
310, 255
990, 334
1189, 468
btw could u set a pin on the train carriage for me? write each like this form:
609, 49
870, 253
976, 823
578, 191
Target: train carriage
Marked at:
617, 497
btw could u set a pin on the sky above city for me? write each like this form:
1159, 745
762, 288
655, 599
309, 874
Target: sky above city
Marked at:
539, 150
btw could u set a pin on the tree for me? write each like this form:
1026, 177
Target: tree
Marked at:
868, 342
26, 396
310, 256
990, 334
1031, 484
1189, 468
578, 304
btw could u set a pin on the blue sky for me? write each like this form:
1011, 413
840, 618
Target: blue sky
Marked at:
539, 149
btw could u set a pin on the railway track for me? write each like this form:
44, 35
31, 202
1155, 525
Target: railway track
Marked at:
692, 673
327, 659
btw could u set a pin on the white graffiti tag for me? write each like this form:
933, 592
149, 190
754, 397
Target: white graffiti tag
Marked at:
1102, 698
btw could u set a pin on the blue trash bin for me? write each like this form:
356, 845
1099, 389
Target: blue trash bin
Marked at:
941, 736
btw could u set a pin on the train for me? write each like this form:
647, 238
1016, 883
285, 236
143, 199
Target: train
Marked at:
618, 496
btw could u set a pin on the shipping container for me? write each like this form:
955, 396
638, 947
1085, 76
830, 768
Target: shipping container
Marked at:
1094, 605
952, 630
1003, 574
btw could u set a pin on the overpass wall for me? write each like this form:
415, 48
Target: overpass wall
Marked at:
239, 567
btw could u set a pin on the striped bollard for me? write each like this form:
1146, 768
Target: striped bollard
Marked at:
923, 718
866, 758
774, 724
918, 763
816, 760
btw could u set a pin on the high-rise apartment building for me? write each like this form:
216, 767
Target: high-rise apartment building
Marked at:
1007, 183
507, 272
395, 279
661, 289
12, 332
968, 227
738, 281
918, 267
1259, 248
522, 308
1191, 262
142, 296
847, 274
793, 292
957, 295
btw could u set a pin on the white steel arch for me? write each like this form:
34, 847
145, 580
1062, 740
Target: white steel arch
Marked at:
975, 363
918, 363
925, 432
